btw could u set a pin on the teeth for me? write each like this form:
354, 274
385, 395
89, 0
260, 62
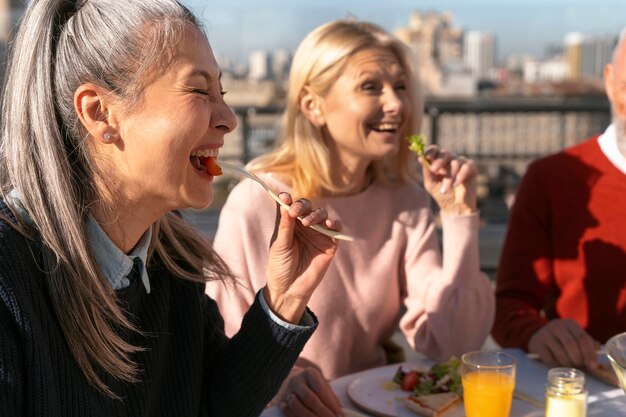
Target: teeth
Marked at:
206, 152
387, 126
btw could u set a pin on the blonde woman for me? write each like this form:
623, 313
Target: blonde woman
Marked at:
110, 111
353, 98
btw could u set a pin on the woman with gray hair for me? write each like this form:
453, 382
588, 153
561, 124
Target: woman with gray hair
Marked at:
112, 110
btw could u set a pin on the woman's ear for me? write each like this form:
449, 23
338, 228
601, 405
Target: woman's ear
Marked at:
92, 110
310, 107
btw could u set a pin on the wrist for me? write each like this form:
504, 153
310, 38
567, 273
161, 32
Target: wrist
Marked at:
287, 307
459, 209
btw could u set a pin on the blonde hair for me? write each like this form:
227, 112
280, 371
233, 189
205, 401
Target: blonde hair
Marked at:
117, 45
301, 153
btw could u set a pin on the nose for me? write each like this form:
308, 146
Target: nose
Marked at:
223, 118
392, 103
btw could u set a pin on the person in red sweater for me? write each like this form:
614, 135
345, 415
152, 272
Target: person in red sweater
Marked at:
561, 284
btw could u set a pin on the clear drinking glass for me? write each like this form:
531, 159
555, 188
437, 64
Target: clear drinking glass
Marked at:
488, 381
616, 351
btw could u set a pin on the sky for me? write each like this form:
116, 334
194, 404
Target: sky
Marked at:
235, 27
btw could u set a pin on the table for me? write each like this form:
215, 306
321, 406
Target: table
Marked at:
604, 400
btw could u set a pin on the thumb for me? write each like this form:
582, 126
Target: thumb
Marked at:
285, 224
428, 176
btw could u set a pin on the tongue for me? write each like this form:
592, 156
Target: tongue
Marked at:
211, 166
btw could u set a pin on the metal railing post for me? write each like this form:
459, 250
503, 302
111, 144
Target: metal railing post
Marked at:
433, 113
245, 132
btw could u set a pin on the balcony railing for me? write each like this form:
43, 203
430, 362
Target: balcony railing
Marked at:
485, 129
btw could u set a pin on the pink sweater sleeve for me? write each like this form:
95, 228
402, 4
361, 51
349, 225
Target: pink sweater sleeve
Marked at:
242, 240
450, 302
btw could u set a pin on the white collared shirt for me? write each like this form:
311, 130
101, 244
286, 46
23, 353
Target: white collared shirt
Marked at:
114, 264
608, 145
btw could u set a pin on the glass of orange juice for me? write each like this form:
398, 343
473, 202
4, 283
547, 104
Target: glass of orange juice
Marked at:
488, 380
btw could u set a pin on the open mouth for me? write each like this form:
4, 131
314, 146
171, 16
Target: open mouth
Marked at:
206, 160
385, 127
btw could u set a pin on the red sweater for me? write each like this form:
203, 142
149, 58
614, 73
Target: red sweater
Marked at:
565, 251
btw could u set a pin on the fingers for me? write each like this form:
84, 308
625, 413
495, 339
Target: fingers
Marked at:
334, 224
566, 338
309, 394
589, 352
300, 208
293, 407
303, 209
546, 355
576, 343
324, 391
317, 216
563, 342
447, 168
583, 346
438, 158
467, 169
299, 256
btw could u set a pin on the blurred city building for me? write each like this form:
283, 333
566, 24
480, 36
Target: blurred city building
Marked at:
259, 65
281, 63
555, 69
479, 52
586, 55
438, 50
265, 65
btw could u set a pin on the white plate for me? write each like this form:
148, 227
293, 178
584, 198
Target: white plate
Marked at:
351, 413
369, 394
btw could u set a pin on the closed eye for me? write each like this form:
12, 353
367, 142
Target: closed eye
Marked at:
369, 86
400, 86
206, 92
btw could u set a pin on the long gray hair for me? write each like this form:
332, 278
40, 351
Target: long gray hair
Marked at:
46, 155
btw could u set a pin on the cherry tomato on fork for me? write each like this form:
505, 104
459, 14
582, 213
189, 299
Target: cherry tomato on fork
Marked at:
212, 167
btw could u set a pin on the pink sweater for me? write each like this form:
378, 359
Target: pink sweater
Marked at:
395, 260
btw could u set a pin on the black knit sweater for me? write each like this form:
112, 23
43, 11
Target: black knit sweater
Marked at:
188, 368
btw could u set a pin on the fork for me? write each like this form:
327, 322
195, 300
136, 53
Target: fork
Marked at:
242, 171
523, 396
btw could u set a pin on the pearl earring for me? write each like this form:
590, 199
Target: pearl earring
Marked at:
107, 136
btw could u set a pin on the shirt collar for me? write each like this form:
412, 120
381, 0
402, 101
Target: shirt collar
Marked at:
608, 144
114, 263
14, 199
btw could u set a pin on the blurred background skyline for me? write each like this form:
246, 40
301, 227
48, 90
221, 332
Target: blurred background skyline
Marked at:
237, 27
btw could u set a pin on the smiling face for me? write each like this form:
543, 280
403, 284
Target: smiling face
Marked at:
158, 160
366, 110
